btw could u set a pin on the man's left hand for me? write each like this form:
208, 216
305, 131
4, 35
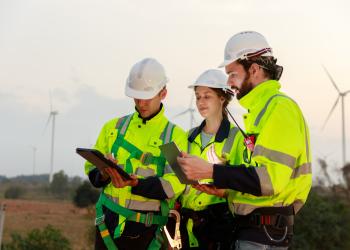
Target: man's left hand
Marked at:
194, 167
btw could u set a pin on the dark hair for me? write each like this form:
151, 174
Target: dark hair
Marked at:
267, 63
227, 97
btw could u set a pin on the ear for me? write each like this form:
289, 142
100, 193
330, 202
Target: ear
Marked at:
163, 93
222, 100
254, 68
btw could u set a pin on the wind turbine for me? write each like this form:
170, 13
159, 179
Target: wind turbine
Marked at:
52, 115
341, 95
34, 158
190, 110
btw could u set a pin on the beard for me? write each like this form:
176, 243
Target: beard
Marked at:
245, 88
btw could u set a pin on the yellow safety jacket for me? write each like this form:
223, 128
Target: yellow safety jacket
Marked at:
225, 147
135, 144
282, 156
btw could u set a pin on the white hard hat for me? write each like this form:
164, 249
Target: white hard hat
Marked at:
212, 78
146, 78
245, 45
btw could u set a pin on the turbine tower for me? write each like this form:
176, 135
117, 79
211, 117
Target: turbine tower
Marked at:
52, 115
341, 95
34, 158
190, 110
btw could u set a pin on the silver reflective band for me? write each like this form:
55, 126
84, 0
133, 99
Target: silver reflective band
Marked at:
275, 156
262, 112
265, 181
168, 189
301, 170
229, 141
168, 169
138, 205
145, 172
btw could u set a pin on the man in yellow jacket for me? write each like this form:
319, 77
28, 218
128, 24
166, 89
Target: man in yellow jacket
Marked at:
267, 194
129, 214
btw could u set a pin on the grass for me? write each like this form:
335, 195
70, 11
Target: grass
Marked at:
24, 215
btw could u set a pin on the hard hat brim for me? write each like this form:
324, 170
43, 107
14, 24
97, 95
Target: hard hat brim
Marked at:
226, 62
139, 94
207, 85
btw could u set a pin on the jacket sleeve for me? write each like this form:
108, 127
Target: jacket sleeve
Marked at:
277, 146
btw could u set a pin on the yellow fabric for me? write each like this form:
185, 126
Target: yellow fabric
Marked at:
146, 137
196, 200
282, 150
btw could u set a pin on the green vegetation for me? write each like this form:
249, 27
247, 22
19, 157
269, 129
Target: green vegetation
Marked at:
47, 239
324, 222
14, 192
85, 195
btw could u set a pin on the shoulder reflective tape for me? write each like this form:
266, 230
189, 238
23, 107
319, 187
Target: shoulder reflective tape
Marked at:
167, 132
275, 156
262, 112
229, 141
125, 125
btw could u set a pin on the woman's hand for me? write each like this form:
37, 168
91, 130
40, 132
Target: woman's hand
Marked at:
210, 189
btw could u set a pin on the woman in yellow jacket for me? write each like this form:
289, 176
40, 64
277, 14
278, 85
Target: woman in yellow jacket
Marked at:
206, 222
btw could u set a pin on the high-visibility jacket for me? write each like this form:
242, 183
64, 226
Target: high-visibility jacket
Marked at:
279, 172
225, 147
135, 143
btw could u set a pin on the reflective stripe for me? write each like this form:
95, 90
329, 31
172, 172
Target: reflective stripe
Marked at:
302, 170
168, 132
168, 189
145, 172
138, 205
229, 141
168, 169
104, 233
120, 122
265, 181
189, 143
262, 112
125, 125
244, 209
187, 189
306, 142
297, 204
275, 156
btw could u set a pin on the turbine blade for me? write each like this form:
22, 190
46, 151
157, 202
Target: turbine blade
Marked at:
346, 92
50, 96
330, 77
47, 123
182, 113
330, 113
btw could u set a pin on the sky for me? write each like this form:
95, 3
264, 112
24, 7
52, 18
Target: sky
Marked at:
82, 50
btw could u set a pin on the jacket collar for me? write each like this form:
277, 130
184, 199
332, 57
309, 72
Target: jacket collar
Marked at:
260, 94
221, 134
156, 116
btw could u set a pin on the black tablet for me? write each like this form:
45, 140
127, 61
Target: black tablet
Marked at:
98, 159
171, 152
